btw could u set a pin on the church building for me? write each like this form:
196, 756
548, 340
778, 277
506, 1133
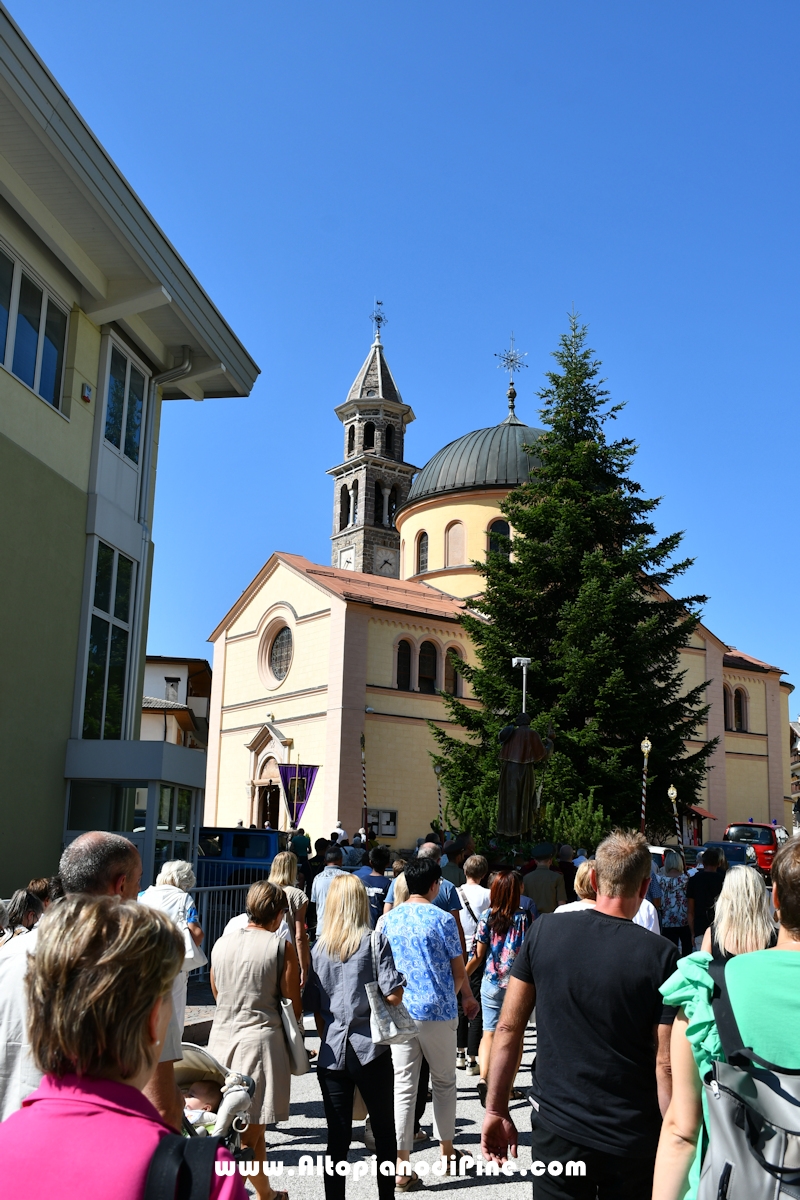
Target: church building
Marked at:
341, 667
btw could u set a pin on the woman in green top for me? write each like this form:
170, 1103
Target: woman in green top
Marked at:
767, 1028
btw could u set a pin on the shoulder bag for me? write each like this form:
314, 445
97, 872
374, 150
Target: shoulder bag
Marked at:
390, 1024
293, 1032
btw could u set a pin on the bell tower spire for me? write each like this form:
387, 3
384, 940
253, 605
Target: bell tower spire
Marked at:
373, 480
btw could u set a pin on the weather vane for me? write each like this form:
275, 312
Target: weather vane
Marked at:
511, 360
378, 318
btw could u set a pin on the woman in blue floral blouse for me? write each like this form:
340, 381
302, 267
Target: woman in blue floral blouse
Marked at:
498, 940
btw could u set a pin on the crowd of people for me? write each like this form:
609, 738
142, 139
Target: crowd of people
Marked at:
623, 990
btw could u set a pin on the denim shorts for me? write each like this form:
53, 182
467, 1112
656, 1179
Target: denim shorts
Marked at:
492, 996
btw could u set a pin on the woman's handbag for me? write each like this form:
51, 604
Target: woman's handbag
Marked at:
293, 1032
389, 1024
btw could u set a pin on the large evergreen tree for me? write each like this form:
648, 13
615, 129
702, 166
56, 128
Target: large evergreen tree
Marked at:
584, 597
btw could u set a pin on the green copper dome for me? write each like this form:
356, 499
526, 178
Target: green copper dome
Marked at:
491, 457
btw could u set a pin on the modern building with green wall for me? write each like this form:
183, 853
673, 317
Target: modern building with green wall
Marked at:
101, 321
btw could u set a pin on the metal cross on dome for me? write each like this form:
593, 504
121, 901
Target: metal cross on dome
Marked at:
378, 318
511, 359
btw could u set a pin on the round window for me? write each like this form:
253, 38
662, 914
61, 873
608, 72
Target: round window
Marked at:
280, 655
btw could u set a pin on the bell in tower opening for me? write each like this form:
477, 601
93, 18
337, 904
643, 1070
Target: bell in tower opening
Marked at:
373, 481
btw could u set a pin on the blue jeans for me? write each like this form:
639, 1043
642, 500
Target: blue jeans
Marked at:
492, 996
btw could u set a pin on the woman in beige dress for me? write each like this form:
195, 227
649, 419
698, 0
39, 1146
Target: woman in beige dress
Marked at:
251, 969
284, 872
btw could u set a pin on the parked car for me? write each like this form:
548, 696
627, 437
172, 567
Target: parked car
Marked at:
228, 856
764, 839
689, 855
735, 854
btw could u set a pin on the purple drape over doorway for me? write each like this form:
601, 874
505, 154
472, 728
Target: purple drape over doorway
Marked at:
304, 778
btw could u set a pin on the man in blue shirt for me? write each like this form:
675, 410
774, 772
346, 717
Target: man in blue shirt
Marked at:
375, 881
319, 888
427, 949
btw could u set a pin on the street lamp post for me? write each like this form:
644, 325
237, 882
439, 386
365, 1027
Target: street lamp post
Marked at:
524, 663
672, 792
647, 746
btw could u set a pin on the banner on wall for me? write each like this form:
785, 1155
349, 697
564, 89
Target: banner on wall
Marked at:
297, 784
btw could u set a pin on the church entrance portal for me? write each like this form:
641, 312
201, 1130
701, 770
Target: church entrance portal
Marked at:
269, 795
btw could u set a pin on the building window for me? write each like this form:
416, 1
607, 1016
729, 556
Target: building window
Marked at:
427, 668
32, 345
369, 436
124, 405
378, 504
388, 441
107, 666
740, 711
422, 553
354, 513
454, 545
351, 439
452, 676
726, 708
392, 505
171, 689
344, 507
280, 655
498, 531
404, 666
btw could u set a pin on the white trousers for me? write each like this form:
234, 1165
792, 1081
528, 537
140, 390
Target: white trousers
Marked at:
437, 1041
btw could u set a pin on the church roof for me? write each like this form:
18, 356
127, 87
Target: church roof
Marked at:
374, 381
745, 662
492, 457
397, 595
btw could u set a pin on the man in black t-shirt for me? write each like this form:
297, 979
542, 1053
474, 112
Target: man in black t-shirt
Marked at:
601, 1073
702, 892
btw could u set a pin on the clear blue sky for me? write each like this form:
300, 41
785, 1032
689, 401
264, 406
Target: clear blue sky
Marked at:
479, 168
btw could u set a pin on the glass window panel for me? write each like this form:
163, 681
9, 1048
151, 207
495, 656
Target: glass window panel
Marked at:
122, 594
95, 678
133, 421
163, 854
102, 579
280, 656
103, 805
427, 668
55, 336
165, 807
404, 666
26, 343
422, 553
6, 280
140, 809
117, 664
184, 818
116, 398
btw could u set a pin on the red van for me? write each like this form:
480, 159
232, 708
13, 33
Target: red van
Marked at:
765, 840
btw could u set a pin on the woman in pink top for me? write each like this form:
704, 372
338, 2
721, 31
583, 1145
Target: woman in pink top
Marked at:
99, 1003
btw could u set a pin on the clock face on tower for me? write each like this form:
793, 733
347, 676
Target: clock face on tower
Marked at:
347, 559
385, 561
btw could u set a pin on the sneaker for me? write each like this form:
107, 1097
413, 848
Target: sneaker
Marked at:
473, 1068
461, 1061
421, 1135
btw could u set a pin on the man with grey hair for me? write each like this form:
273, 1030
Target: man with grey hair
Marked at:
602, 1059
103, 864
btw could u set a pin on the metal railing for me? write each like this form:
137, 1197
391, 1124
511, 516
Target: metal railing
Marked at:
215, 907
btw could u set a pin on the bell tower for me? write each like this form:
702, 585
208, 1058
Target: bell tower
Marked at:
372, 481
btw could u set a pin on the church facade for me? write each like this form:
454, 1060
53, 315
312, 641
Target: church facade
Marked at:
342, 667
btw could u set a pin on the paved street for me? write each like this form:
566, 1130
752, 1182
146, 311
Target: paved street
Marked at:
305, 1133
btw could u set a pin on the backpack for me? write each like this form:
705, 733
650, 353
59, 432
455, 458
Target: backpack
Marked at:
182, 1168
753, 1117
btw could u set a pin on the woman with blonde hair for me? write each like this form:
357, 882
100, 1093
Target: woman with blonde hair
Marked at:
99, 1002
674, 913
742, 920
251, 970
283, 872
341, 965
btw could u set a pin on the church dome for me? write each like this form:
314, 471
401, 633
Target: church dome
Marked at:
492, 457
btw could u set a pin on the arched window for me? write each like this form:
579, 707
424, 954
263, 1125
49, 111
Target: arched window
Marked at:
378, 518
427, 668
455, 550
422, 553
392, 505
497, 531
740, 711
452, 677
369, 436
404, 666
726, 708
388, 441
351, 439
344, 507
354, 514
280, 655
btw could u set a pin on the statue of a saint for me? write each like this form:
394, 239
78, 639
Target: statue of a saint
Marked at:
521, 748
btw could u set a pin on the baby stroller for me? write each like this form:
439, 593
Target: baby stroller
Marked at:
237, 1092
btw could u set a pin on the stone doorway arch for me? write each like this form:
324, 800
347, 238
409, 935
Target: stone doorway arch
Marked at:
269, 794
